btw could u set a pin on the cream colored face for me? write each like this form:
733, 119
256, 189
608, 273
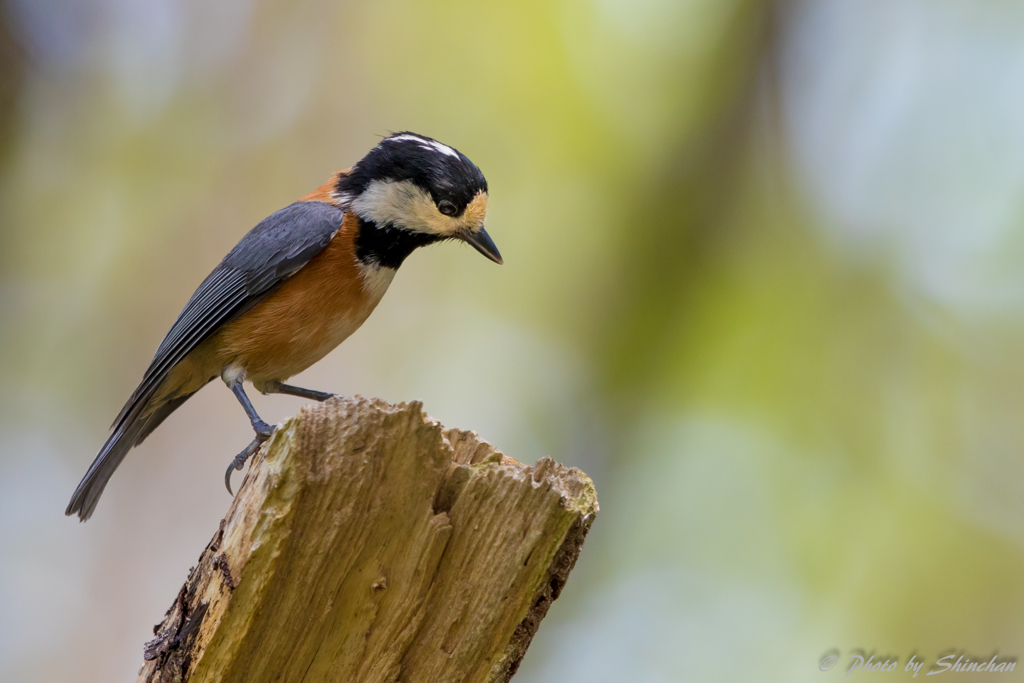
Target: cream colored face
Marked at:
403, 204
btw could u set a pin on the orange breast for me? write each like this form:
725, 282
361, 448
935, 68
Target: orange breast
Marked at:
306, 317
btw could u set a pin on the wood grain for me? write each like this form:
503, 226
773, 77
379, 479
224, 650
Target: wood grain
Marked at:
369, 543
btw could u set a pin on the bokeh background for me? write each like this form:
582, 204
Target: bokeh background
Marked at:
764, 282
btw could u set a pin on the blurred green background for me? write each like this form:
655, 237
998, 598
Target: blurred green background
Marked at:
764, 281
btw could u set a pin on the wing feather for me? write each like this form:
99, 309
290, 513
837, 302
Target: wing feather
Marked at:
269, 254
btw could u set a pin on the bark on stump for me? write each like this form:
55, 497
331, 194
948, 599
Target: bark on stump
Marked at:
369, 543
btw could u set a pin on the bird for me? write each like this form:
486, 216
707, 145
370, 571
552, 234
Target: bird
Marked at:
297, 285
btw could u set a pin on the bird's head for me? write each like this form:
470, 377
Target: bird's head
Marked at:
419, 191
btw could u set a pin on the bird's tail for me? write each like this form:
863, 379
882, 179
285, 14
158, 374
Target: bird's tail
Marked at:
131, 429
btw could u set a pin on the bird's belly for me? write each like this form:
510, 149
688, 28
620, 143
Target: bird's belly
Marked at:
304, 320
306, 345
277, 343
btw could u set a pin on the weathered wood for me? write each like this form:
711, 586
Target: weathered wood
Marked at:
368, 543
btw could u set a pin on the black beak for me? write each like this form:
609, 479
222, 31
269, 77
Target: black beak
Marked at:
483, 243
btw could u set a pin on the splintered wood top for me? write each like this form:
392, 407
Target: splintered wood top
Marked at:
369, 543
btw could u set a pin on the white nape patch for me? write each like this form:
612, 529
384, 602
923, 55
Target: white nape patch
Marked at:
426, 144
376, 280
233, 374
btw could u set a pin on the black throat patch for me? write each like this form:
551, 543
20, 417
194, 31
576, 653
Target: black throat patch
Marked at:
388, 246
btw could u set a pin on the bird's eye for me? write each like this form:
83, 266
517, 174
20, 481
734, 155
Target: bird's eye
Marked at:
446, 207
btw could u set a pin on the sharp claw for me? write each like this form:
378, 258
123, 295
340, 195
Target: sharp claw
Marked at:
238, 462
227, 477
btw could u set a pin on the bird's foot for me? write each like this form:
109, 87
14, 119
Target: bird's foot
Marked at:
263, 430
238, 462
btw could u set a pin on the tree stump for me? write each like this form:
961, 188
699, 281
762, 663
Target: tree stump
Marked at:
369, 543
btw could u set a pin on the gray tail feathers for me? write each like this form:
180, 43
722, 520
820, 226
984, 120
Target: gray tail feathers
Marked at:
130, 430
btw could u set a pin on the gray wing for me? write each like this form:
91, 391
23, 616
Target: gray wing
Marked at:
269, 254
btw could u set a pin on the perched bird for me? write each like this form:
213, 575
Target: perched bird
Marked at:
297, 285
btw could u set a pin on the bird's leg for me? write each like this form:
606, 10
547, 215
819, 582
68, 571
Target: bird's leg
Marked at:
259, 426
282, 388
262, 429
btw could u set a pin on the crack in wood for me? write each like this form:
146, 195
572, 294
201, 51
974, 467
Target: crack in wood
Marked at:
375, 545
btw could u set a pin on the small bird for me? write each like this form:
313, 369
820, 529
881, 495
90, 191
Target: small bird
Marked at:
297, 285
